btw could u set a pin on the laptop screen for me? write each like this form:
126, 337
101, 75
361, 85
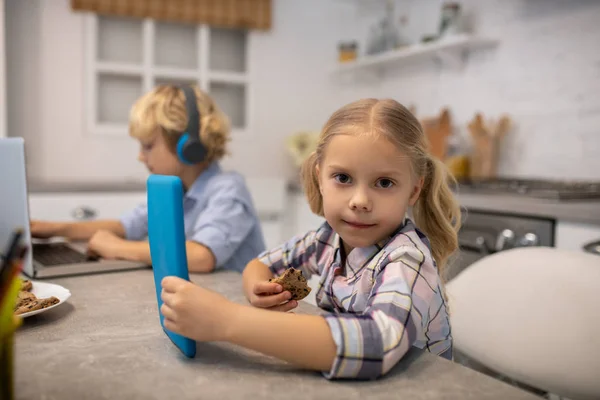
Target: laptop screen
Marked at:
14, 205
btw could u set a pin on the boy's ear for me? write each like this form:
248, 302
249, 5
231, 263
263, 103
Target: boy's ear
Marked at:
416, 191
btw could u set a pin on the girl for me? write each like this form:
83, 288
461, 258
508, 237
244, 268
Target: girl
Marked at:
221, 225
380, 274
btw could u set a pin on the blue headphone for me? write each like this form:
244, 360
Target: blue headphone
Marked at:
190, 149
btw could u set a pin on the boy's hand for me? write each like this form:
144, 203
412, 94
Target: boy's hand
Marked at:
271, 296
44, 229
105, 244
193, 311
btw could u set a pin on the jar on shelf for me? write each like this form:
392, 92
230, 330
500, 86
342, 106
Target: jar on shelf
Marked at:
347, 51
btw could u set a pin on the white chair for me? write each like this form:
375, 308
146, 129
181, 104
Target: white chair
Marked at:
533, 315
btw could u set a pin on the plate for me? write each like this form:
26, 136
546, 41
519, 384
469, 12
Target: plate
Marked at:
43, 290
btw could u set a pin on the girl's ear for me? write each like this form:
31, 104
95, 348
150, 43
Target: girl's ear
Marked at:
416, 191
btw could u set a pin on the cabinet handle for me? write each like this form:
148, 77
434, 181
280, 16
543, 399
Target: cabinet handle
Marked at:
593, 247
83, 213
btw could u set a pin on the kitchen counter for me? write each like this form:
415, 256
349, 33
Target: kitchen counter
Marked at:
586, 211
34, 186
106, 343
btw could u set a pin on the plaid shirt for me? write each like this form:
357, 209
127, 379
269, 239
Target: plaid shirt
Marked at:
386, 299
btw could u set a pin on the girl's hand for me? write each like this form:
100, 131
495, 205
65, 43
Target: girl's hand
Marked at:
271, 296
193, 311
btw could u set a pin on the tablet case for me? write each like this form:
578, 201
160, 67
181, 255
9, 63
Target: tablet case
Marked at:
167, 242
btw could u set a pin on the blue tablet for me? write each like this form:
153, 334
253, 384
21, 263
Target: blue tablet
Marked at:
167, 242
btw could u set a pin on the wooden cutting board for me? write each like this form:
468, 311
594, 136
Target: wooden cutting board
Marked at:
437, 130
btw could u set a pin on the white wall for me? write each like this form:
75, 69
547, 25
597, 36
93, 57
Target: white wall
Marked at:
290, 90
545, 73
23, 73
2, 74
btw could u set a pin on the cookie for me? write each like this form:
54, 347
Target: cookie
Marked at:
294, 282
37, 304
26, 285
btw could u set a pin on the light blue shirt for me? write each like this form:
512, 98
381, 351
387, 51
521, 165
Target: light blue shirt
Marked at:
218, 213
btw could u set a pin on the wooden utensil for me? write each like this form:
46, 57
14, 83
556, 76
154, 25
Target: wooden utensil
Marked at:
486, 143
437, 130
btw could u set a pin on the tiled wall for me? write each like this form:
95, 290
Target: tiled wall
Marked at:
545, 73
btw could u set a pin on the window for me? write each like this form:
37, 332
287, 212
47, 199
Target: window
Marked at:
127, 57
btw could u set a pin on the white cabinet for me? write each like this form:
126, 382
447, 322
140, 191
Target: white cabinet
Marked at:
82, 206
269, 198
574, 235
302, 219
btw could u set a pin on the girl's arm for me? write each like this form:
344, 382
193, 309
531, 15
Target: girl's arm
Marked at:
301, 252
364, 346
303, 340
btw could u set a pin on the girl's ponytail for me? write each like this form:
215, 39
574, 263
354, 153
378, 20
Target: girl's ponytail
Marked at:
437, 212
310, 181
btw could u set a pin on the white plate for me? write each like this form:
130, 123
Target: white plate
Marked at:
43, 290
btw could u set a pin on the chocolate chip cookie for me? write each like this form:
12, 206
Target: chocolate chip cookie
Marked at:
293, 281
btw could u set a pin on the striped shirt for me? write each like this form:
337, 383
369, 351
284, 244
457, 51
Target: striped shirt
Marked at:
387, 298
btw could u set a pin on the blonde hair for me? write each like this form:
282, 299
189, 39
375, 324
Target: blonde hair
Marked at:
163, 110
436, 212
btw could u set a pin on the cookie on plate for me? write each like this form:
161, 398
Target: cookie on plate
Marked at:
294, 282
37, 304
26, 285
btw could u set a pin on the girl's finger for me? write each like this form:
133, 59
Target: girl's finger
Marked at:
269, 301
168, 313
172, 283
166, 297
290, 305
170, 325
267, 288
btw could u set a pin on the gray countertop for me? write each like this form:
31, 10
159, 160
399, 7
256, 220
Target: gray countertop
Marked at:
35, 186
585, 211
106, 342
567, 210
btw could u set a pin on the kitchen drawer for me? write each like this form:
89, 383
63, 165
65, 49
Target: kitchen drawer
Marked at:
82, 206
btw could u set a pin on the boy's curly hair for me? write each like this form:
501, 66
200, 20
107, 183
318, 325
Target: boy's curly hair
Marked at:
163, 110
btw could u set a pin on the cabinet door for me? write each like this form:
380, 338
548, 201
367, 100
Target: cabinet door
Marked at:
304, 219
271, 226
82, 206
573, 235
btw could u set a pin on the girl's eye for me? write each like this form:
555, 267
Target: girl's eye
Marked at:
147, 147
342, 178
385, 183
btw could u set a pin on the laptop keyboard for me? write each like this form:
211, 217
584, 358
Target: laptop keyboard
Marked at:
51, 254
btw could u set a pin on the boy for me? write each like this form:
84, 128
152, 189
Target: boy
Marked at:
181, 132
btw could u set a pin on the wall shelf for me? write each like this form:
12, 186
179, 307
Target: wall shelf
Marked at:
449, 48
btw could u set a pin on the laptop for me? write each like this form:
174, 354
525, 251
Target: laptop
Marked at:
46, 259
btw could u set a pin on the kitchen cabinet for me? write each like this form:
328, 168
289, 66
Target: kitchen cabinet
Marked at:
85, 206
574, 235
302, 218
82, 206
